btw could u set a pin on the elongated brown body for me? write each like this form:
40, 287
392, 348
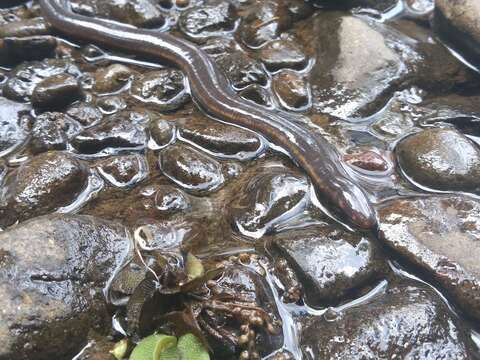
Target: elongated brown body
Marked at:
212, 92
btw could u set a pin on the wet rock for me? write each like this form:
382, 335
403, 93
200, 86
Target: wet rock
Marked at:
208, 20
182, 3
177, 235
86, 114
452, 106
298, 9
3, 171
9, 3
56, 91
122, 130
242, 70
64, 51
25, 77
218, 138
82, 7
363, 138
52, 131
3, 79
272, 196
162, 131
369, 160
441, 159
291, 89
112, 78
378, 5
12, 133
452, 110
330, 262
437, 70
257, 94
407, 321
29, 48
47, 182
141, 13
399, 117
455, 22
10, 13
163, 90
438, 234
421, 7
265, 21
280, 54
123, 171
46, 266
356, 66
86, 81
111, 104
169, 200
219, 45
24, 28
191, 169
94, 54
432, 65
393, 124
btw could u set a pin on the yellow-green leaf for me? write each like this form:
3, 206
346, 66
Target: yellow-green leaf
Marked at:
194, 267
120, 349
170, 354
191, 348
150, 347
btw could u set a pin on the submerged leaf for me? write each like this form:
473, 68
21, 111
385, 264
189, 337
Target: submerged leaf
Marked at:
197, 282
152, 346
120, 349
194, 267
191, 348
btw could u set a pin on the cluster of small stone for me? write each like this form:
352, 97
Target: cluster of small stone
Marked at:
80, 127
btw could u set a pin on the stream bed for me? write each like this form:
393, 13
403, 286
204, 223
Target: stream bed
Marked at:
114, 181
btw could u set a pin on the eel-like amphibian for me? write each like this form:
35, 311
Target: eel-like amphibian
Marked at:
212, 92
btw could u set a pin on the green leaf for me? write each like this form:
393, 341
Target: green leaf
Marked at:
170, 354
191, 348
151, 346
194, 267
165, 347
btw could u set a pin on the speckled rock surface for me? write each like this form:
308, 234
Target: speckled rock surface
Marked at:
46, 263
404, 321
439, 235
329, 262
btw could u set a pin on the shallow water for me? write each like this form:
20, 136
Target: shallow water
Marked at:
236, 201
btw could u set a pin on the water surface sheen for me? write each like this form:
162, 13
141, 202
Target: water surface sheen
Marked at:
324, 155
